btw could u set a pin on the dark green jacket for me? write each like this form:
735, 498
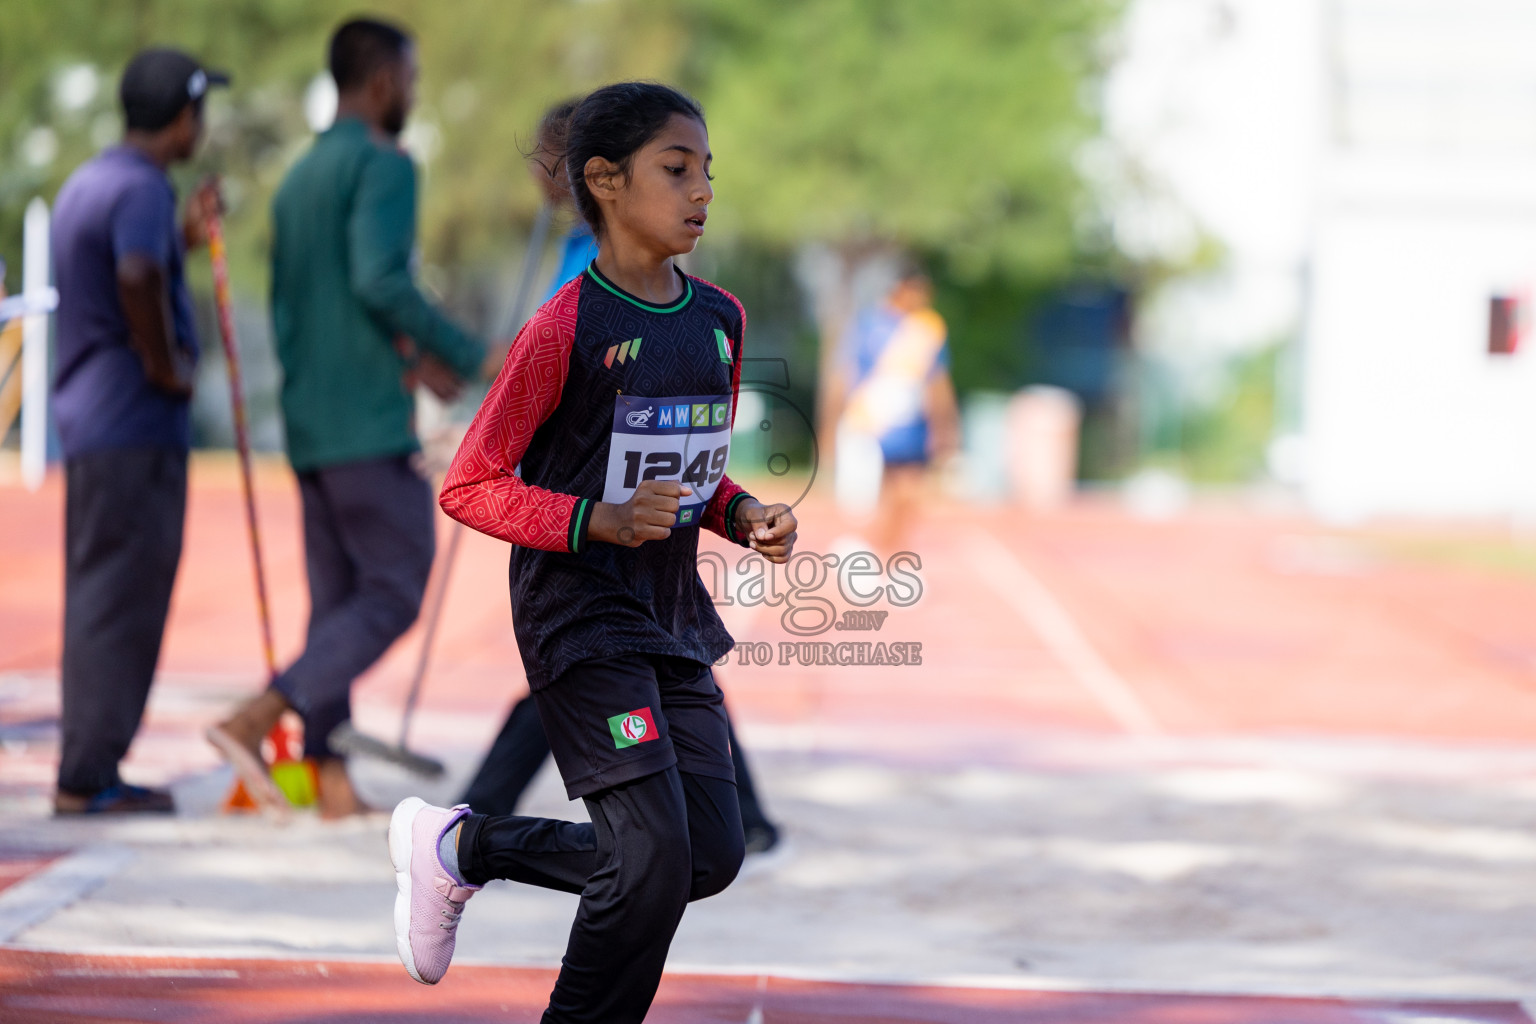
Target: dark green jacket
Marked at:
344, 228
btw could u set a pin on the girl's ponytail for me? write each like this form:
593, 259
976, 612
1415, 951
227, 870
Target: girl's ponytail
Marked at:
549, 146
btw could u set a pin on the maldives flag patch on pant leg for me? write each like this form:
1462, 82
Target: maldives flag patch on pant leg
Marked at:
633, 727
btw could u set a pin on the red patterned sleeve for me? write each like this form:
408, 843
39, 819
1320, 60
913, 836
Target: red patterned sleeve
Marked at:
482, 489
720, 513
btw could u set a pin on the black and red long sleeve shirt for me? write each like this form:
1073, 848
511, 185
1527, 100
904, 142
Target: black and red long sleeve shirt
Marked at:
599, 392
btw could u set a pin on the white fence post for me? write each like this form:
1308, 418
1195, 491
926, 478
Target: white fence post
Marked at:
34, 348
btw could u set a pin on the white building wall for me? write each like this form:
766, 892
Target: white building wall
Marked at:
1213, 112
1369, 169
1406, 412
1426, 210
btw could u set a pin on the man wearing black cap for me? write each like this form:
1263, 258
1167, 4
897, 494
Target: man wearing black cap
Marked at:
127, 349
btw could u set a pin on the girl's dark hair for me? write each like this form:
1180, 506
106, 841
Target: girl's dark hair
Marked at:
614, 123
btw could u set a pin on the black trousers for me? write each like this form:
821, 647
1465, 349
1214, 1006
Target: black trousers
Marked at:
520, 749
653, 845
123, 516
368, 544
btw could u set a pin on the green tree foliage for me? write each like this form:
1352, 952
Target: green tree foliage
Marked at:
489, 69
950, 128
864, 125
946, 127
1224, 440
860, 125
60, 61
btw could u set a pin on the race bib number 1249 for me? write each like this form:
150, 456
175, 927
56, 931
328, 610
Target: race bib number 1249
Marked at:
687, 439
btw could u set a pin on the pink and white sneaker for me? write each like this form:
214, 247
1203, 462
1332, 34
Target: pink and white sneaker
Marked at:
429, 899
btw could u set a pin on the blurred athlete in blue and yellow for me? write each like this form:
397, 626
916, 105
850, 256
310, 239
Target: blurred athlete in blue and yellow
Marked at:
900, 395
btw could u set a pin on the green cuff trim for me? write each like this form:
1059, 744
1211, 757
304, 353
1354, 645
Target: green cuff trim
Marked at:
581, 517
730, 519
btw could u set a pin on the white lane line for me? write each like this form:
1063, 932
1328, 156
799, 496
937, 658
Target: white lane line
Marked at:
153, 972
40, 896
1022, 591
1454, 996
756, 1016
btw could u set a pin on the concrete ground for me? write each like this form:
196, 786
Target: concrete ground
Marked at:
1229, 754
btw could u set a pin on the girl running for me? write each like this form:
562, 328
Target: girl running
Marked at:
599, 451
520, 749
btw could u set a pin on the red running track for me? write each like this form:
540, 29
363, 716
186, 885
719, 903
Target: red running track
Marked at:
44, 988
1220, 623
1217, 623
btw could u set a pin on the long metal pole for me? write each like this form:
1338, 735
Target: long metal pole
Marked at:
225, 306
429, 632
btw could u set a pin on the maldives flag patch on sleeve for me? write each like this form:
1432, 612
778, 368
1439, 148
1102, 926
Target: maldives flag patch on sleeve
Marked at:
633, 727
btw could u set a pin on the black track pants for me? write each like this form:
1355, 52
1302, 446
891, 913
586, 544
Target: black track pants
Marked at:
123, 515
519, 752
654, 844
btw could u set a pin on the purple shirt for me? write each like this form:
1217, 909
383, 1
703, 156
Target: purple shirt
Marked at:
113, 205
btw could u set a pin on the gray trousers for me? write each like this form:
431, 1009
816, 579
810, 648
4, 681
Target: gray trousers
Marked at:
123, 516
368, 545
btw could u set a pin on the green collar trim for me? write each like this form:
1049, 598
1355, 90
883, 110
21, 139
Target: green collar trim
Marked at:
597, 276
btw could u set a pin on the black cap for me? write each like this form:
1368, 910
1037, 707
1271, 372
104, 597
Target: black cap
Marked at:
159, 83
